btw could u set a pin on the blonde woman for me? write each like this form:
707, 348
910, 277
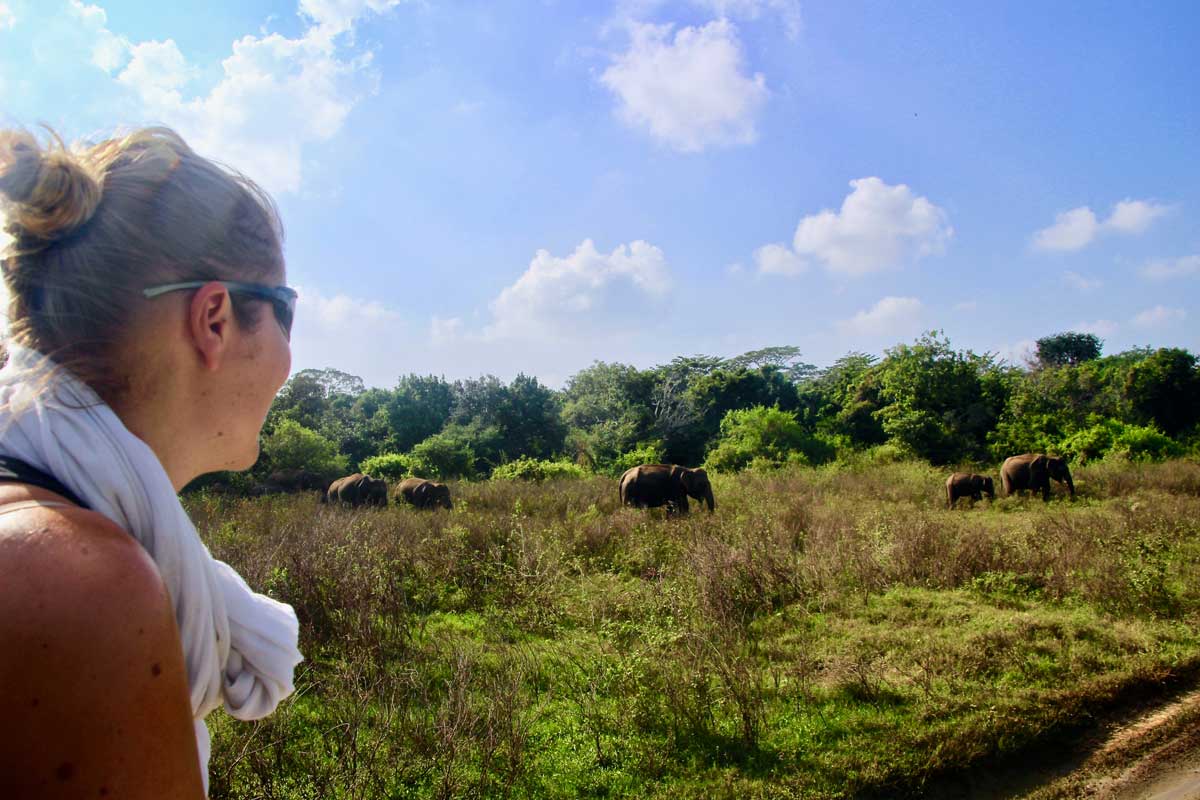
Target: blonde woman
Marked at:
148, 327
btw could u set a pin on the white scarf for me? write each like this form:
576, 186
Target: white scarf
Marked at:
239, 647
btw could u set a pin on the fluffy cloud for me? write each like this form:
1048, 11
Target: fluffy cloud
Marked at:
891, 316
1176, 268
8, 20
1159, 316
787, 10
579, 294
689, 91
1017, 353
338, 16
778, 259
276, 95
1081, 282
879, 226
351, 333
1079, 227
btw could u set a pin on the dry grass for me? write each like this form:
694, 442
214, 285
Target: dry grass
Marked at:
824, 633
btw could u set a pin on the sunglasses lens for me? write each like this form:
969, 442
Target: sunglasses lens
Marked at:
284, 311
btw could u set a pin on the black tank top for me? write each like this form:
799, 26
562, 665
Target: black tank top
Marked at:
14, 470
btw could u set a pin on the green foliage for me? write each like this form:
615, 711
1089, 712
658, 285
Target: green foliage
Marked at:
1164, 389
1067, 349
390, 466
444, 456
644, 453
293, 446
532, 469
765, 438
936, 401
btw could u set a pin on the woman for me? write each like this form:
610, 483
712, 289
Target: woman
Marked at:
148, 334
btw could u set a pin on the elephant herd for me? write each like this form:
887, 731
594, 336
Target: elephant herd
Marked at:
1018, 474
363, 490
670, 485
643, 486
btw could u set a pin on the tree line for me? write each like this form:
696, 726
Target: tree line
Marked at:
764, 408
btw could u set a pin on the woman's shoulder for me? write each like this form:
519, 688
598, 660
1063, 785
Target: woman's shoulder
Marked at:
52, 552
88, 647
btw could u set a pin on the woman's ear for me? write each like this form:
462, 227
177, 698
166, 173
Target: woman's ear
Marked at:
210, 323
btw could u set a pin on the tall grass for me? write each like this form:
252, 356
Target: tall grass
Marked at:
826, 632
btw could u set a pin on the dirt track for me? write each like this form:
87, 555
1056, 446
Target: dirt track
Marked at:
1148, 753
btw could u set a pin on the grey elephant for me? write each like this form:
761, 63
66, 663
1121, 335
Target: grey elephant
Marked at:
423, 493
358, 490
1032, 472
968, 484
653, 485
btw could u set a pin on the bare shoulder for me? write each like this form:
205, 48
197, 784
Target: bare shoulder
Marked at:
90, 660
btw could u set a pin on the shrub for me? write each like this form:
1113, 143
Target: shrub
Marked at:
766, 437
645, 453
1146, 443
392, 466
442, 456
293, 446
532, 469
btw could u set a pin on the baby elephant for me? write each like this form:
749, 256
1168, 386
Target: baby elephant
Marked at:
962, 484
424, 494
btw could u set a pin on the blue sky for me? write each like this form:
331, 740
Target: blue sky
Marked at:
506, 186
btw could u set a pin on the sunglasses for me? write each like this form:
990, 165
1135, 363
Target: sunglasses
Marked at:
281, 298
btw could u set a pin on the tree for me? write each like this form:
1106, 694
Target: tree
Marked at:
293, 446
1067, 349
765, 436
1164, 388
607, 410
785, 358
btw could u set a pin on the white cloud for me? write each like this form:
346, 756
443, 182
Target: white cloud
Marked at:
445, 330
1172, 268
338, 16
966, 305
891, 316
1100, 327
1082, 283
8, 20
1158, 316
577, 295
1018, 353
1071, 230
108, 51
879, 226
355, 335
689, 91
778, 259
276, 95
1134, 216
1079, 227
787, 10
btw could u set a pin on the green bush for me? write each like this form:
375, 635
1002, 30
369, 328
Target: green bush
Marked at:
766, 437
532, 469
293, 446
443, 456
1112, 437
644, 453
392, 466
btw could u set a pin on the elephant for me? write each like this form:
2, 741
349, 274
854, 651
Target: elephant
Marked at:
294, 480
963, 484
1033, 471
358, 490
653, 485
423, 493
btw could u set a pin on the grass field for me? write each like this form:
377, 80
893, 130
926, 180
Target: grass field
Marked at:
826, 633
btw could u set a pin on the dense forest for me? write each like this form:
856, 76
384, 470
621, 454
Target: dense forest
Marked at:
762, 409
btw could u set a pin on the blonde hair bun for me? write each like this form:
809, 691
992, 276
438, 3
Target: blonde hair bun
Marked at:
50, 193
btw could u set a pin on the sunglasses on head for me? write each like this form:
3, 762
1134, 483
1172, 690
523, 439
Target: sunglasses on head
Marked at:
281, 298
